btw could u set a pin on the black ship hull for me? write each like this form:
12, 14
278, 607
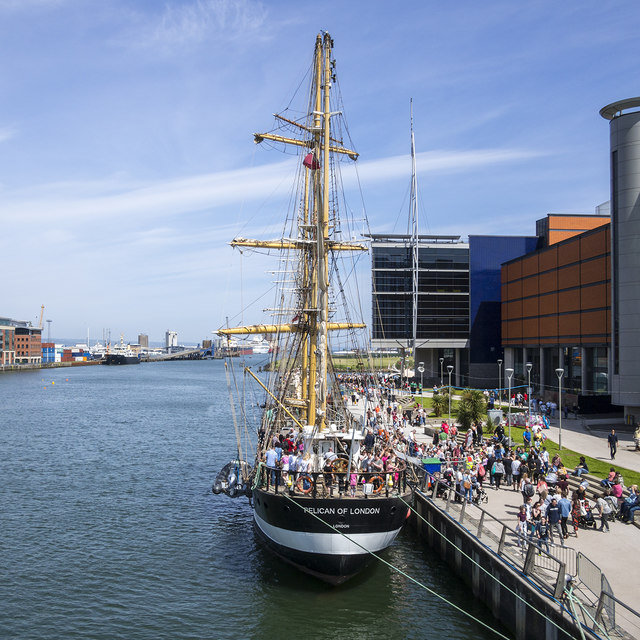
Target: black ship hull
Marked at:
116, 358
294, 529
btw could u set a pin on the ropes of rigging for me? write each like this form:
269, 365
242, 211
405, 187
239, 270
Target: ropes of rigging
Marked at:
423, 586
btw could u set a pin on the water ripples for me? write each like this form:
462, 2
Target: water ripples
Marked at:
109, 528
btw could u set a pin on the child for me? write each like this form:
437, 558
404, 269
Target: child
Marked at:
353, 482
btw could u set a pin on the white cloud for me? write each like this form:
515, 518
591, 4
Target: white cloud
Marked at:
6, 133
188, 23
441, 162
106, 200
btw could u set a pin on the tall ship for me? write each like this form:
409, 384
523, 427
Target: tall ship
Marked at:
313, 505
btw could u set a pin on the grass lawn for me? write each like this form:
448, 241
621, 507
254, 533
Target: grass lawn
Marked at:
570, 459
350, 363
427, 403
599, 468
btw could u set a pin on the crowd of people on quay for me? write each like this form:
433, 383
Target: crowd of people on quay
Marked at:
479, 462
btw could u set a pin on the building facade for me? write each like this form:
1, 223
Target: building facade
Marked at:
20, 342
28, 345
171, 339
486, 255
443, 301
458, 302
556, 314
624, 129
7, 343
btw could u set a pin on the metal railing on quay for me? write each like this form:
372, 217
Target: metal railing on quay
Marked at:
530, 556
552, 566
612, 617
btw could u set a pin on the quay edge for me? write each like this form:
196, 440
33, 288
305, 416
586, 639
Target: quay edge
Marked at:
498, 586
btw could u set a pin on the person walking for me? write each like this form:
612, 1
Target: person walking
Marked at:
612, 439
565, 511
553, 518
521, 527
542, 533
498, 473
605, 510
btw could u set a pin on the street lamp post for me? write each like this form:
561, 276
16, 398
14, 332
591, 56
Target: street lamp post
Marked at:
560, 373
500, 382
529, 367
449, 370
441, 363
421, 370
509, 373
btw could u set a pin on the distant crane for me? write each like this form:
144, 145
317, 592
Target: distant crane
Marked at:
41, 316
49, 330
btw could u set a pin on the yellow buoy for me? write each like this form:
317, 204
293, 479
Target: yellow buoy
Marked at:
53, 382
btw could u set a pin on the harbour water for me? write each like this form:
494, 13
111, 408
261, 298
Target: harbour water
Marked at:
109, 528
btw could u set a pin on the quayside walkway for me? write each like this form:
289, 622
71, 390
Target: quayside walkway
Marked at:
607, 562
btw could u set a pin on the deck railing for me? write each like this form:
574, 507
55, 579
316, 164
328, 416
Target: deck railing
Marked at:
327, 483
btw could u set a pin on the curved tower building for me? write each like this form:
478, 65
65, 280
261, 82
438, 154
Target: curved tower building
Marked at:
624, 118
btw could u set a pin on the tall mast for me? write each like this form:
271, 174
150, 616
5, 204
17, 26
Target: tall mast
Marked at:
314, 243
413, 216
323, 236
313, 316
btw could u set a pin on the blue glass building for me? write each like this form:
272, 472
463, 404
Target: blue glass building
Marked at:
486, 255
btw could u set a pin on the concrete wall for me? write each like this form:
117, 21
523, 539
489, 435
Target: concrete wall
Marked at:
525, 622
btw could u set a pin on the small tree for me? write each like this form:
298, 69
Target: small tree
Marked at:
475, 403
440, 404
464, 415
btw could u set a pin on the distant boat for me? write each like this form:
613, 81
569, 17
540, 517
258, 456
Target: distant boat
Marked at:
121, 358
260, 346
120, 354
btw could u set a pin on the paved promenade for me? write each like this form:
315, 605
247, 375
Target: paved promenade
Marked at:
616, 552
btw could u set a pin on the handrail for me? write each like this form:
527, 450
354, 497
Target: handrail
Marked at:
542, 560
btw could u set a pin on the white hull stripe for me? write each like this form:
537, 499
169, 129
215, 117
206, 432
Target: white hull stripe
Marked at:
327, 543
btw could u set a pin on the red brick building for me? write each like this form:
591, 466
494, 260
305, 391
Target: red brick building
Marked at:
28, 345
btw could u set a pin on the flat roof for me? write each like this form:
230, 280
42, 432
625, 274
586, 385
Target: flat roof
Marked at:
615, 109
406, 236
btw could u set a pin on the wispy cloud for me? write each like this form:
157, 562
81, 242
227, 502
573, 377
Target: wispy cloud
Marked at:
187, 23
100, 200
6, 133
442, 162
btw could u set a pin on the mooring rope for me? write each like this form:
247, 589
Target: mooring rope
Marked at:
401, 572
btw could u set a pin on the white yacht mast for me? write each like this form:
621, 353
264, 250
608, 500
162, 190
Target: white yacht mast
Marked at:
413, 217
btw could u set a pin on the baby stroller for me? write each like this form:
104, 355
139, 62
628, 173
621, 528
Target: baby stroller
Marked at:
480, 495
586, 520
444, 485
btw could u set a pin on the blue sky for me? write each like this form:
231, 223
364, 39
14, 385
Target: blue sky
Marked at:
127, 160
